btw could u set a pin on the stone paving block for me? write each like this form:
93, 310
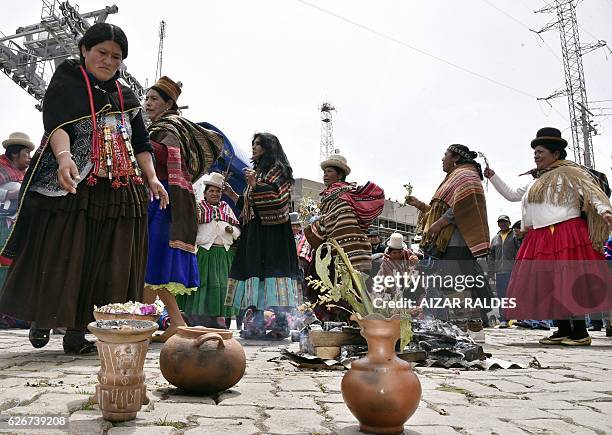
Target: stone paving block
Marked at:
224, 427
478, 389
298, 383
339, 413
247, 394
291, 422
330, 398
549, 426
174, 395
294, 400
587, 418
87, 422
145, 430
423, 416
51, 403
442, 398
532, 404
331, 385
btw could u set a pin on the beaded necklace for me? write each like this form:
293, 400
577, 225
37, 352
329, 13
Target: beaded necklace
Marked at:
112, 153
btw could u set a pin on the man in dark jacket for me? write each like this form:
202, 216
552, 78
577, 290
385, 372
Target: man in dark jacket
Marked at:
504, 247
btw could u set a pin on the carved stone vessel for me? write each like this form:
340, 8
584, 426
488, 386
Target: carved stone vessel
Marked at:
122, 348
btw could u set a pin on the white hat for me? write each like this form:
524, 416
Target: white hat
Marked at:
336, 161
294, 217
396, 241
18, 138
214, 179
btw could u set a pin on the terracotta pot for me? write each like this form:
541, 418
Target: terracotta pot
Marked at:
202, 360
117, 316
380, 389
121, 391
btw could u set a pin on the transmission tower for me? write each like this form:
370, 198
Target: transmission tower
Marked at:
160, 50
327, 130
575, 89
30, 56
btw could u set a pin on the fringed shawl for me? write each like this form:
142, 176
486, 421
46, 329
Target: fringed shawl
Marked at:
191, 152
269, 199
220, 212
462, 191
564, 183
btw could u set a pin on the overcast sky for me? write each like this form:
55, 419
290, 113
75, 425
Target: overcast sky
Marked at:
267, 65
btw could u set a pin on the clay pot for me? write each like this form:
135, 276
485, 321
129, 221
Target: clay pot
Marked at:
202, 360
121, 391
380, 389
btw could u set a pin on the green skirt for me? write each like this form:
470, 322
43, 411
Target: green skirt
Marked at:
208, 300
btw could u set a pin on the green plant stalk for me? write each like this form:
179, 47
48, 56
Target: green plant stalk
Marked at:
355, 277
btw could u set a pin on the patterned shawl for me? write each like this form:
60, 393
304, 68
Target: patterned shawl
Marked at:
558, 183
191, 151
462, 191
367, 201
220, 212
269, 198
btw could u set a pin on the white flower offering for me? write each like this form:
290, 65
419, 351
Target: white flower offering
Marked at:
130, 307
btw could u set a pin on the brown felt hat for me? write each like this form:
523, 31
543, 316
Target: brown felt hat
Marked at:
169, 87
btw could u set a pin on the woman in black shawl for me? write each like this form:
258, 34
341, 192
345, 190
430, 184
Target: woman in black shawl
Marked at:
81, 235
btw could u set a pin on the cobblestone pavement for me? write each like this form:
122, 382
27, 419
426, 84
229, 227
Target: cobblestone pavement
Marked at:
571, 393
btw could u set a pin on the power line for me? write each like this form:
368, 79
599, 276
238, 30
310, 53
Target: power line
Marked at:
526, 27
418, 50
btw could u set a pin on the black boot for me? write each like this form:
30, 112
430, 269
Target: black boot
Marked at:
38, 337
76, 344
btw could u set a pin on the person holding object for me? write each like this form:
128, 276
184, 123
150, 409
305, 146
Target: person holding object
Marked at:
265, 270
80, 238
184, 151
560, 272
456, 232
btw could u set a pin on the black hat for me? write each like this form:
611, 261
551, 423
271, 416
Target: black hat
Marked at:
550, 138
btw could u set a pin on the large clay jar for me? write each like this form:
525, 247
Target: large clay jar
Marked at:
202, 360
380, 389
122, 348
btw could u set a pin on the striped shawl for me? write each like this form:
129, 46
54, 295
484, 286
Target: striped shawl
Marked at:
269, 199
339, 221
220, 212
191, 151
462, 191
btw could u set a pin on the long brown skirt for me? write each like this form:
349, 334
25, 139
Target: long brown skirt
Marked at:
75, 252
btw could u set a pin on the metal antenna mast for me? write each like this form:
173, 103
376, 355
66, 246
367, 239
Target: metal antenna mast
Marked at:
327, 131
30, 56
575, 88
160, 51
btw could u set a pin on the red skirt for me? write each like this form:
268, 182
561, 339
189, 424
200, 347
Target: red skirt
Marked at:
558, 274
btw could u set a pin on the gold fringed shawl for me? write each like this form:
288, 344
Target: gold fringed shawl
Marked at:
462, 191
570, 179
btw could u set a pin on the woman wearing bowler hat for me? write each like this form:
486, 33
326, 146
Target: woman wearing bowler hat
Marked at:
559, 273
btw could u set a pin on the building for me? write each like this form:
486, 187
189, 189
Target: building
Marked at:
395, 217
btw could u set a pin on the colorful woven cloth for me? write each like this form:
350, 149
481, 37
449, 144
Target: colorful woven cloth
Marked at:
221, 212
269, 198
8, 171
462, 191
